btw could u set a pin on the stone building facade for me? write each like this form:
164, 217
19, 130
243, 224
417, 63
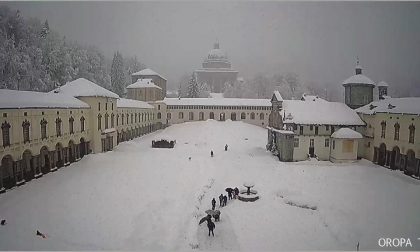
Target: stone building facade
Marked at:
157, 79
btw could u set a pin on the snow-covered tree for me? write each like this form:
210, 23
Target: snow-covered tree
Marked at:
193, 87
117, 74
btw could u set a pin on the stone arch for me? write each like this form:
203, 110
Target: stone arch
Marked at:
395, 158
59, 155
382, 154
28, 165
261, 116
211, 115
45, 159
82, 147
252, 116
233, 116
72, 151
411, 162
243, 116
7, 172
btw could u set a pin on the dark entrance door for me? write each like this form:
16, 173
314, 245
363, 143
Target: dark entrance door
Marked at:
311, 148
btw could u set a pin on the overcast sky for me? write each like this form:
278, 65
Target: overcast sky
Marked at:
318, 41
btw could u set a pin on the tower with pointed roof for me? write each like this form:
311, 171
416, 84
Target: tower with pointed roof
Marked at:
358, 89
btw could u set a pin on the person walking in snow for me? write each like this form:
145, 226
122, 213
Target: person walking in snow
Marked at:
213, 204
220, 200
211, 226
236, 191
224, 200
226, 147
211, 153
230, 195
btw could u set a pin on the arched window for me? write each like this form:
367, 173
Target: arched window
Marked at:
261, 116
118, 119
71, 125
243, 116
112, 120
397, 131
58, 126
43, 129
191, 116
132, 118
211, 115
412, 132
201, 116
159, 115
128, 116
252, 116
106, 120
99, 122
135, 117
181, 115
5, 129
122, 119
168, 116
25, 127
383, 129
82, 124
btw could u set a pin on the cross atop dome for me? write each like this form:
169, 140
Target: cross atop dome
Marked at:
358, 67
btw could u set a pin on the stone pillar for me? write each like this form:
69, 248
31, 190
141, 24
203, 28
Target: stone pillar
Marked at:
53, 162
1, 179
67, 156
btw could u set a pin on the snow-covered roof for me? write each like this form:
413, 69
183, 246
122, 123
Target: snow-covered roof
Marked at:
143, 83
216, 70
319, 112
406, 105
358, 79
382, 84
346, 133
129, 103
278, 96
216, 95
147, 72
84, 88
287, 132
306, 97
218, 102
30, 99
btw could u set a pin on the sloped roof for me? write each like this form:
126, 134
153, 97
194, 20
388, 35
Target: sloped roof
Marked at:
84, 88
30, 99
319, 112
129, 103
346, 133
147, 72
406, 105
358, 79
143, 83
278, 96
218, 101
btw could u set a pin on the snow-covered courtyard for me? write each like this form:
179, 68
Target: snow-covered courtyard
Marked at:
140, 198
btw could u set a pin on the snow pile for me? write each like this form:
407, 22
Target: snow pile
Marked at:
147, 72
83, 88
319, 112
30, 99
139, 198
130, 103
358, 79
144, 83
218, 102
346, 133
406, 105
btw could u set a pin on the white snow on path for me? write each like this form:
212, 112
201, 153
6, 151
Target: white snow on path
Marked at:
139, 198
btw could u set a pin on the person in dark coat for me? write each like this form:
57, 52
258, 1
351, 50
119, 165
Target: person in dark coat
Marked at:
224, 200
3, 222
211, 153
230, 195
220, 200
213, 204
226, 146
236, 191
216, 216
211, 226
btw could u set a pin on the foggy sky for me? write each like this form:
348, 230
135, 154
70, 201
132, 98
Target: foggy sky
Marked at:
318, 41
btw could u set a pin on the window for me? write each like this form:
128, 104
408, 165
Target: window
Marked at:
99, 106
181, 115
159, 115
71, 125
82, 124
135, 118
211, 115
333, 144
201, 116
5, 129
122, 119
118, 119
332, 129
168, 116
316, 130
43, 129
383, 129
106, 121
191, 116
127, 118
58, 126
158, 107
311, 127
112, 120
327, 142
99, 122
252, 116
112, 106
25, 126
106, 105
397, 131
411, 134
294, 127
311, 143
243, 116
296, 142
300, 130
327, 127
132, 118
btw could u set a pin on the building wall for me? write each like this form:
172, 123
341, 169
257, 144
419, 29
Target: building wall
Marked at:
159, 81
341, 153
358, 95
145, 94
143, 122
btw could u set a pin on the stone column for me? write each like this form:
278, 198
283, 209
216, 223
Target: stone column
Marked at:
53, 164
67, 156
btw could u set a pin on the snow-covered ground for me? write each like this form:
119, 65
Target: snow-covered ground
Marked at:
141, 198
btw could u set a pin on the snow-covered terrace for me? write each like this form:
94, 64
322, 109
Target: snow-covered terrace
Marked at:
13, 99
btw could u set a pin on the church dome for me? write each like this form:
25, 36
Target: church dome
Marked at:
216, 53
216, 58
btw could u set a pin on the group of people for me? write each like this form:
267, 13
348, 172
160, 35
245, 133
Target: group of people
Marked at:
212, 153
